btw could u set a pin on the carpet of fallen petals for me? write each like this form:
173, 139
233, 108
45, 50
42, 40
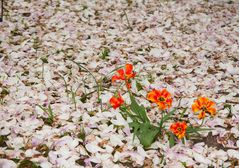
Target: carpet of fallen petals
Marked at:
190, 47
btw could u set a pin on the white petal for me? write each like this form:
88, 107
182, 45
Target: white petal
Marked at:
4, 163
233, 153
201, 159
93, 148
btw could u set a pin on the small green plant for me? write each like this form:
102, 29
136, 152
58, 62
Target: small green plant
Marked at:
229, 108
48, 110
81, 135
146, 131
105, 53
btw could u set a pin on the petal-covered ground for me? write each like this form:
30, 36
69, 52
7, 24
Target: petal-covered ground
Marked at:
190, 47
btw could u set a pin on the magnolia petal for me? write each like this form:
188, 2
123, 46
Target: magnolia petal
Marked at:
7, 163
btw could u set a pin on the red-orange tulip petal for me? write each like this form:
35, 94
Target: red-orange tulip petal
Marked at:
116, 101
195, 106
179, 129
161, 105
125, 74
212, 111
161, 97
114, 78
203, 105
121, 73
202, 115
152, 96
128, 69
210, 104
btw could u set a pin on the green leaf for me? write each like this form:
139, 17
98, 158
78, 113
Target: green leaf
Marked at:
184, 164
105, 53
48, 121
197, 129
229, 108
135, 126
146, 132
81, 134
183, 141
165, 118
138, 110
171, 140
139, 86
50, 112
44, 60
168, 116
183, 112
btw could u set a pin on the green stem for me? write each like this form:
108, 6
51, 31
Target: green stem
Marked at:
161, 122
129, 26
98, 87
118, 88
182, 114
106, 76
201, 123
127, 111
65, 84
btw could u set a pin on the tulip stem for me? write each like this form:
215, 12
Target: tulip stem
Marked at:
201, 123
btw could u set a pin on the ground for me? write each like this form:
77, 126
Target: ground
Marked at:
190, 47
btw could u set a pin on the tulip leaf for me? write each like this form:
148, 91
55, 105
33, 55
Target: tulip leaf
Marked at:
135, 126
165, 118
139, 86
168, 116
138, 110
197, 129
146, 132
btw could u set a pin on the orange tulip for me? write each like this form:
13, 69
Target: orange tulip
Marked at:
179, 129
116, 101
203, 105
161, 97
124, 74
